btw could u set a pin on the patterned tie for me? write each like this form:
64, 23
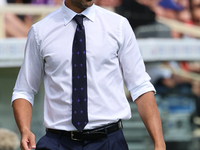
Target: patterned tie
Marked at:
79, 77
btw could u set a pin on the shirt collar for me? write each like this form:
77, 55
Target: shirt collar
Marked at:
69, 14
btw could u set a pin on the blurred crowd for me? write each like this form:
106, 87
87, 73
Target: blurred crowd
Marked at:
138, 12
143, 12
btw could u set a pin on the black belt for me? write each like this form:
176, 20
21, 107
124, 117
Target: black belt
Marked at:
93, 134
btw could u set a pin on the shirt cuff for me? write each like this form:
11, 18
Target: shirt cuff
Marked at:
143, 88
23, 95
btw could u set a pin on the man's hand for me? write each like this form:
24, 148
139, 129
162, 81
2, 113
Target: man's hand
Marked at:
23, 112
27, 140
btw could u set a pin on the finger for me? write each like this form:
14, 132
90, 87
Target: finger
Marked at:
24, 145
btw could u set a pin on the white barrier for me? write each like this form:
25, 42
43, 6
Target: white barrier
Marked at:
12, 50
170, 49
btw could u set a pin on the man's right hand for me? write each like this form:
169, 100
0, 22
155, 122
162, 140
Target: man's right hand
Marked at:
27, 140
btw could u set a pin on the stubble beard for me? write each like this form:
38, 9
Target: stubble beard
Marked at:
82, 4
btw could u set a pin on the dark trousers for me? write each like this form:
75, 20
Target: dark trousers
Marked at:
113, 141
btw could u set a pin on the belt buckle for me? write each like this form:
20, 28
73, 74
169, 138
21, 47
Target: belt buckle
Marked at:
72, 136
120, 125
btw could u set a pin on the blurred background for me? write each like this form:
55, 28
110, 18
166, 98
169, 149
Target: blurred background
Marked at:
168, 33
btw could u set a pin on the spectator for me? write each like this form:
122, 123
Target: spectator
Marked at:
17, 26
8, 140
136, 13
196, 15
171, 10
185, 16
194, 67
194, 3
184, 3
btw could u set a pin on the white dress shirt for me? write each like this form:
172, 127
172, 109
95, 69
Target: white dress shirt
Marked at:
112, 54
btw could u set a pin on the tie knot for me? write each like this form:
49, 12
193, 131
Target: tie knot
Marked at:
79, 19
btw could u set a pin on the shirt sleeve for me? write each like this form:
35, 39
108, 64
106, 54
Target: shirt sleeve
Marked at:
31, 71
136, 78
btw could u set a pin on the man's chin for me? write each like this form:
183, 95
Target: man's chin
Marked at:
89, 3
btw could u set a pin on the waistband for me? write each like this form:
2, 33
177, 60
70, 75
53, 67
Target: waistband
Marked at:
93, 134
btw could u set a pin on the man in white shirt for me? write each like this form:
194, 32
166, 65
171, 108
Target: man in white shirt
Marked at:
112, 54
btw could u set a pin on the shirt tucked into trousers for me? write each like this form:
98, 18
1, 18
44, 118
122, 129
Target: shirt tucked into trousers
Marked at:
114, 141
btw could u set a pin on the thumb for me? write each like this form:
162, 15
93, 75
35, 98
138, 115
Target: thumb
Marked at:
32, 142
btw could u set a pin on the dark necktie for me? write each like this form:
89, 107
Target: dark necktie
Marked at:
79, 77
